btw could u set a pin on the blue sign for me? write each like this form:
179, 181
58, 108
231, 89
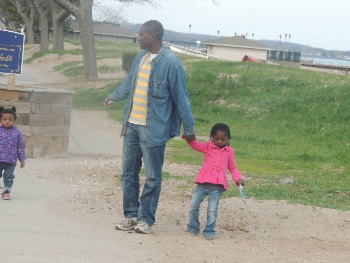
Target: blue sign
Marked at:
11, 52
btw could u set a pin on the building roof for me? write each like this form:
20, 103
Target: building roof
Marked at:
105, 28
236, 41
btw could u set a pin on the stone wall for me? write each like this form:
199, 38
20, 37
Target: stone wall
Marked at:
43, 116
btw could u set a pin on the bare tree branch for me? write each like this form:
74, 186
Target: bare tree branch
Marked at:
153, 3
26, 10
109, 14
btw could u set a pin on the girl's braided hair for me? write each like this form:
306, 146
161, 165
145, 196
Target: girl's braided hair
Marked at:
220, 127
11, 110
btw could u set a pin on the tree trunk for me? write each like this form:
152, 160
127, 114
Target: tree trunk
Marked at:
58, 34
30, 37
43, 11
88, 46
44, 34
58, 17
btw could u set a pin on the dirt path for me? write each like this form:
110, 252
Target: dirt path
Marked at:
65, 209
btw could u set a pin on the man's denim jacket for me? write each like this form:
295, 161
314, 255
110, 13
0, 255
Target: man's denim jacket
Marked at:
168, 104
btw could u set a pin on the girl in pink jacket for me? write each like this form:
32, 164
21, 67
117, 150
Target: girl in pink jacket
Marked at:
212, 179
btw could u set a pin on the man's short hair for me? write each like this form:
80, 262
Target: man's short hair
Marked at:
155, 27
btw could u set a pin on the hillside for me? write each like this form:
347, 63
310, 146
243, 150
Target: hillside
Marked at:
306, 51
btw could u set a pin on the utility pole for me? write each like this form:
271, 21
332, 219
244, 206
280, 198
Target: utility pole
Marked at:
280, 41
189, 35
285, 41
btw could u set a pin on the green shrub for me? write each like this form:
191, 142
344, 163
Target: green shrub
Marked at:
127, 59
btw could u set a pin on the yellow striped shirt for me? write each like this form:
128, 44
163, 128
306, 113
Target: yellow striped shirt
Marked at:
138, 112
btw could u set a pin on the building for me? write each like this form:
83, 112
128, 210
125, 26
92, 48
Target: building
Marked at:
235, 48
106, 31
281, 55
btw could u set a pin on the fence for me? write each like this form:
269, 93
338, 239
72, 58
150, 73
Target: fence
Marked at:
284, 55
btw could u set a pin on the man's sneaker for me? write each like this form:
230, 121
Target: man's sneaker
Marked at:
6, 195
128, 224
142, 227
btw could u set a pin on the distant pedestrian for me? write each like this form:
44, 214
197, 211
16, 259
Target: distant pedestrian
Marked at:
12, 147
212, 179
157, 105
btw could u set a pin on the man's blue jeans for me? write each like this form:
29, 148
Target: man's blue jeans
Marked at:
7, 174
213, 202
134, 150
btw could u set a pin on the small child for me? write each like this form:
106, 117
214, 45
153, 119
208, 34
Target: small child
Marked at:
211, 179
12, 147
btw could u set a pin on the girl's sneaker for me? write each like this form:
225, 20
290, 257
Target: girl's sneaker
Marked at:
6, 195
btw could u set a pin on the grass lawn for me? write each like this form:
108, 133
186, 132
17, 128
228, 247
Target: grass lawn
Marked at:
285, 123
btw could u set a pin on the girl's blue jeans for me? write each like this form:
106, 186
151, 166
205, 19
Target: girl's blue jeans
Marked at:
213, 202
134, 152
7, 170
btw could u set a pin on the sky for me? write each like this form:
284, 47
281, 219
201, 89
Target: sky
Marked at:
317, 23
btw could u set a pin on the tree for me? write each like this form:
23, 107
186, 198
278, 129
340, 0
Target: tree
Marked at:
109, 14
82, 11
59, 16
141, 2
42, 8
26, 10
9, 15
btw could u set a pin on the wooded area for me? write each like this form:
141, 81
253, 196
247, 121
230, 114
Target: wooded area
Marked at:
38, 17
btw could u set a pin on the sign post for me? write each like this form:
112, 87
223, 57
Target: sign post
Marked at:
11, 80
11, 54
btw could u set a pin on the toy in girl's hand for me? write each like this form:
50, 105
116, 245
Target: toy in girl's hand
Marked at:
242, 193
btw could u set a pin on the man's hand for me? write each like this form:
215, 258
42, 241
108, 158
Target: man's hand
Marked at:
107, 102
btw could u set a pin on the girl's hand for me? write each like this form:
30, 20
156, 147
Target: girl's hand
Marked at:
188, 138
22, 164
240, 182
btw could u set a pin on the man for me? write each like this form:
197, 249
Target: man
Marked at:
157, 104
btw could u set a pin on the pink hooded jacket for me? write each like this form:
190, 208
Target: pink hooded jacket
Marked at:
216, 162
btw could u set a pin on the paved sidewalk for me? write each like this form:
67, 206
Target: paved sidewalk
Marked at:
102, 140
29, 231
31, 234
82, 139
28, 77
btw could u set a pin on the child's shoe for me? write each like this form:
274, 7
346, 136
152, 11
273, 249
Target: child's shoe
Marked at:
6, 195
192, 232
